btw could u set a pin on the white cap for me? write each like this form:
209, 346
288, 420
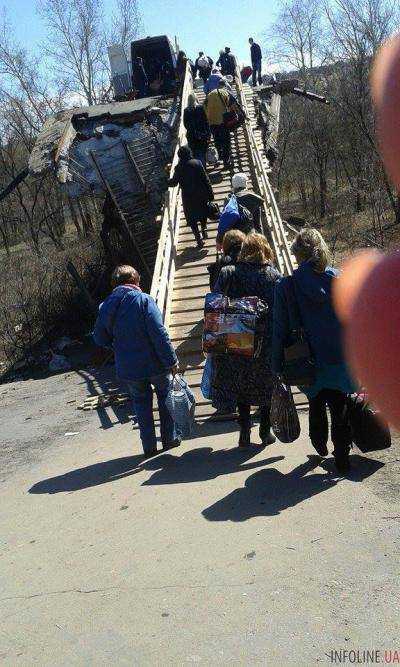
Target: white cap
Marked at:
239, 181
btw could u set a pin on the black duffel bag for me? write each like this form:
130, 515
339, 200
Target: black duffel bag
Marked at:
370, 432
213, 211
285, 421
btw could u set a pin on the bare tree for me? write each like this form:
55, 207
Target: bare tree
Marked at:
357, 28
77, 39
296, 37
126, 23
76, 45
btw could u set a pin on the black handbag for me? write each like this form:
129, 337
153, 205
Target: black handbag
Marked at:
369, 430
231, 118
213, 211
246, 223
298, 361
285, 421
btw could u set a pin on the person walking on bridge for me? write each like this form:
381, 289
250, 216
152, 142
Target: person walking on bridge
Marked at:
197, 192
130, 322
310, 290
248, 381
217, 103
203, 66
256, 61
197, 129
227, 62
247, 198
214, 80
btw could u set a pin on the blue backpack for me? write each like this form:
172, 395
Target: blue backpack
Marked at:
229, 217
235, 216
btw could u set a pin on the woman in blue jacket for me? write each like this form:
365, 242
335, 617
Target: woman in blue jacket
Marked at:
312, 284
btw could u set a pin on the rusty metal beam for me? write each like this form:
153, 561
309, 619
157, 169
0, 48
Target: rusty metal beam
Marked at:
133, 164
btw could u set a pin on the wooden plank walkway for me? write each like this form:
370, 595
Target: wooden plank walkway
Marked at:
191, 280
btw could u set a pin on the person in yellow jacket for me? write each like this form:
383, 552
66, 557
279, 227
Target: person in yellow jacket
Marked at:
217, 103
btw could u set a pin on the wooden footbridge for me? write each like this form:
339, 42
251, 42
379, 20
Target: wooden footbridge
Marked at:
180, 279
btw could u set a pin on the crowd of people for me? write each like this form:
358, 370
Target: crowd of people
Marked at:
204, 122
157, 75
130, 322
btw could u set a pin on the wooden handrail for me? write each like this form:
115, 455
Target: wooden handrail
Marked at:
164, 269
285, 260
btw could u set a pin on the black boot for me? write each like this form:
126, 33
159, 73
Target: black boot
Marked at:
245, 434
320, 447
342, 460
199, 240
204, 230
195, 229
266, 436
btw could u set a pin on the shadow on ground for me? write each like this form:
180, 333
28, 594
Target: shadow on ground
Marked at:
203, 464
269, 492
195, 465
83, 478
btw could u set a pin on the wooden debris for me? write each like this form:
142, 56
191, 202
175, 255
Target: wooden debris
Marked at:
104, 400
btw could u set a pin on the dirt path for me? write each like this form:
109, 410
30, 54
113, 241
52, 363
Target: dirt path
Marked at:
205, 555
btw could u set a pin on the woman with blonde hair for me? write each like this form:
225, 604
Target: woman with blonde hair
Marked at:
197, 129
242, 380
310, 288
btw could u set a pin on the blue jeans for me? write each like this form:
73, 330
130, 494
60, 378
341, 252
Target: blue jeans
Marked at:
141, 392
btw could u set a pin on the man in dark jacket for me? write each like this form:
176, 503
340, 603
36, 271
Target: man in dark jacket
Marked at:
247, 198
203, 66
227, 62
256, 61
130, 322
197, 192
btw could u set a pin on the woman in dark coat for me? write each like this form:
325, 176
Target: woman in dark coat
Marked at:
311, 285
197, 129
249, 381
231, 247
197, 192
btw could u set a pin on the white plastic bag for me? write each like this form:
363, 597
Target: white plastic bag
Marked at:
181, 405
212, 156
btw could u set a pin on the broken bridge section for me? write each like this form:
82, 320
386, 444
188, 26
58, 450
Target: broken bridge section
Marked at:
116, 153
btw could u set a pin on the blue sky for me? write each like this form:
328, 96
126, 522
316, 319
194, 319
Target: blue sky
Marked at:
199, 24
